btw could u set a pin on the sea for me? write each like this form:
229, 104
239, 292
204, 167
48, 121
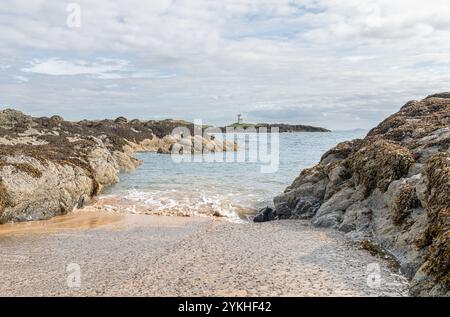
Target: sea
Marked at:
205, 185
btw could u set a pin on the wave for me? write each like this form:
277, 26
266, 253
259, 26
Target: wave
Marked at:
175, 202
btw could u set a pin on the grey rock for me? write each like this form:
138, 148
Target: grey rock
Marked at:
330, 212
284, 211
121, 120
358, 218
306, 207
264, 215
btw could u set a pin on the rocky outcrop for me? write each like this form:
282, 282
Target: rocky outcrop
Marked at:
391, 189
48, 166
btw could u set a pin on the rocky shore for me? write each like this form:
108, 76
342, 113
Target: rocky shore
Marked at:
49, 166
390, 191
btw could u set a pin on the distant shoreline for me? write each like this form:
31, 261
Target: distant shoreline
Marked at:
283, 127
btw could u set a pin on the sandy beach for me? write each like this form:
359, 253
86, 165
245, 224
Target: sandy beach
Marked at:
140, 255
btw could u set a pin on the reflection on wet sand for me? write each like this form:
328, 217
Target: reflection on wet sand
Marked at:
90, 219
73, 221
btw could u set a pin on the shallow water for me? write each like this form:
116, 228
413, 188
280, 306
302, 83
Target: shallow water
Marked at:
229, 189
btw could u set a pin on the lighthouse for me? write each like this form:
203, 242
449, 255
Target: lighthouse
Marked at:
239, 118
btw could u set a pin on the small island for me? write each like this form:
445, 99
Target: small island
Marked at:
283, 127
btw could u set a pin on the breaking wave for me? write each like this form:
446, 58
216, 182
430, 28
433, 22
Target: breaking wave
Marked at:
176, 203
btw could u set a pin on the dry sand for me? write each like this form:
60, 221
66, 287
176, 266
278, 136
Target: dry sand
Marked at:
139, 255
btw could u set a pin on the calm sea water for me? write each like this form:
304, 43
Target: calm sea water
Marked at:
231, 189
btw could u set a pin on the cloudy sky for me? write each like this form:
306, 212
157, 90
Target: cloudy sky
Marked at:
341, 64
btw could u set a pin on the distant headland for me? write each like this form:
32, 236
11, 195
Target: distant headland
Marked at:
283, 127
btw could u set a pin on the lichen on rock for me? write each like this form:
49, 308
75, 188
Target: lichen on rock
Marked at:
436, 237
378, 164
404, 202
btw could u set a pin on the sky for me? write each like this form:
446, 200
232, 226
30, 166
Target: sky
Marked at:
339, 64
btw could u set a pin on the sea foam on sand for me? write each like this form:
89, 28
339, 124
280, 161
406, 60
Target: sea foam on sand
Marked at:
174, 203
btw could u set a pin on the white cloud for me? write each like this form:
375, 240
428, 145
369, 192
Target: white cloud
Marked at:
101, 69
216, 58
22, 79
57, 67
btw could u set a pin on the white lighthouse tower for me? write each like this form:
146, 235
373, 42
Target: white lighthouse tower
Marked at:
239, 117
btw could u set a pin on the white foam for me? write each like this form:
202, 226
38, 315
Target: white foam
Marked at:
177, 202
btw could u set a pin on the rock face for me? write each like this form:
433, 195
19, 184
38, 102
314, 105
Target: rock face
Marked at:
392, 188
48, 166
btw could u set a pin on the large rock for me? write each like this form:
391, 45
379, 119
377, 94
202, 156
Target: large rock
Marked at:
30, 190
392, 187
264, 215
10, 118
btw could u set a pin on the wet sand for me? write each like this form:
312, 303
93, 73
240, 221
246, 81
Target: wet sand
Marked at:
72, 221
141, 255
